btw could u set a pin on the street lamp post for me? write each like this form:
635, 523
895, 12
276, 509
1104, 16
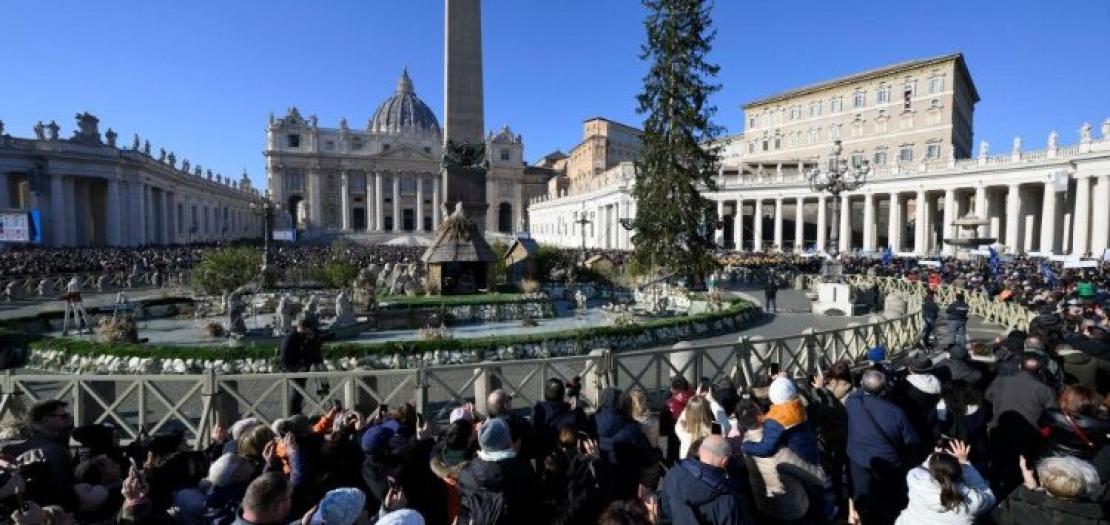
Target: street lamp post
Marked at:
840, 177
265, 209
582, 221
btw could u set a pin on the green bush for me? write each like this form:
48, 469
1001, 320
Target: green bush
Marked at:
337, 274
338, 350
547, 258
225, 269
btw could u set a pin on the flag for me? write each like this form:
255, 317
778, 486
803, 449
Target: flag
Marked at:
888, 255
1048, 274
992, 260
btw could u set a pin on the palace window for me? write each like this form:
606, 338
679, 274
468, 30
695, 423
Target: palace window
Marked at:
859, 99
329, 145
882, 96
505, 154
294, 180
936, 84
795, 113
834, 132
880, 158
778, 142
857, 159
356, 145
907, 97
293, 141
932, 151
385, 147
815, 108
751, 122
408, 186
905, 154
836, 104
427, 149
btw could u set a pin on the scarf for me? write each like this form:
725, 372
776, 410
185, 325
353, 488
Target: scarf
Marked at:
789, 414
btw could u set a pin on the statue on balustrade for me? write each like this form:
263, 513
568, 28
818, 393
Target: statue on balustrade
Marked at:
161, 154
52, 128
146, 148
1085, 132
135, 143
111, 136
40, 131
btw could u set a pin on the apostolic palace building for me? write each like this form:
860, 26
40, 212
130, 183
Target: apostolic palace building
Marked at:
87, 190
913, 123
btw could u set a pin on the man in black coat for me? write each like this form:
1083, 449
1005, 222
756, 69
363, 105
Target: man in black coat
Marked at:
553, 414
770, 291
299, 351
929, 312
957, 315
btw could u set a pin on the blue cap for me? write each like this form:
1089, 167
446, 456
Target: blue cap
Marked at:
876, 354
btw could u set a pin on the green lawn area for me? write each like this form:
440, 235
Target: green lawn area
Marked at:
452, 300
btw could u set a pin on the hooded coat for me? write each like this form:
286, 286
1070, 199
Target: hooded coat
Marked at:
924, 499
621, 441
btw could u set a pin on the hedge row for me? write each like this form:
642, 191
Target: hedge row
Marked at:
342, 350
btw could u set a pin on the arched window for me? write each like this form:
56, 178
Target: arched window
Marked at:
505, 218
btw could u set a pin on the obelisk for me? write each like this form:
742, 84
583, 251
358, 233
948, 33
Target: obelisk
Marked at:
464, 155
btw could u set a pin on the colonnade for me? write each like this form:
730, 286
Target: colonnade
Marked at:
1031, 216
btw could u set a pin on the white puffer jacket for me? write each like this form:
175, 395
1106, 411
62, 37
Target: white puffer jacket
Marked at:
925, 509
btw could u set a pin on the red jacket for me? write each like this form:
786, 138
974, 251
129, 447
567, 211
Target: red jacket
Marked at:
677, 402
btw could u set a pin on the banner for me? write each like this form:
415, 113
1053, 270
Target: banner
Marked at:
15, 226
289, 235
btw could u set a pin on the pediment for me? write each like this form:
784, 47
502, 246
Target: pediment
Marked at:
405, 152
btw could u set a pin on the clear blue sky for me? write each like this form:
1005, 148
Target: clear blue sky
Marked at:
200, 77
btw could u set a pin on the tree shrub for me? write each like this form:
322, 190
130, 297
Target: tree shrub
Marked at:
225, 269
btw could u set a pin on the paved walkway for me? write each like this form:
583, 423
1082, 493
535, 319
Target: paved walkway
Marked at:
28, 308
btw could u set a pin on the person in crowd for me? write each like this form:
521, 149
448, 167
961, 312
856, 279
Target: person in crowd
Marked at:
1077, 426
957, 313
929, 313
700, 490
1093, 339
917, 395
451, 455
268, 501
946, 489
576, 481
623, 444
1068, 493
1018, 401
785, 425
499, 404
299, 352
497, 487
553, 414
51, 425
957, 366
881, 442
825, 410
680, 393
963, 416
770, 292
695, 423
1079, 367
637, 406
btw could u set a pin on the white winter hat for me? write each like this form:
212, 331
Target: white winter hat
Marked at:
782, 391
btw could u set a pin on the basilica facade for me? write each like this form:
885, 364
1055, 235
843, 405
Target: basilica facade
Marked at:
385, 177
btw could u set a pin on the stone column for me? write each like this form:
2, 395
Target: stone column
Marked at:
397, 226
981, 210
822, 226
1082, 216
419, 203
316, 199
738, 226
920, 243
437, 202
1013, 215
894, 223
371, 202
72, 207
164, 204
379, 216
719, 233
845, 223
757, 226
5, 197
778, 224
139, 224
930, 207
1048, 220
345, 200
799, 225
949, 216
868, 222
1100, 225
57, 220
112, 209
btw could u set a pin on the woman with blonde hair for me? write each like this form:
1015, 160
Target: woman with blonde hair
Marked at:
637, 407
695, 423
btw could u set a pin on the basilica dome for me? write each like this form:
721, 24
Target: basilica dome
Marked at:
404, 113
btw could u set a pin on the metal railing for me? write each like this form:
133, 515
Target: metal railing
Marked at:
192, 403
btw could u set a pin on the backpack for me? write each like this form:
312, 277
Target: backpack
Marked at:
487, 508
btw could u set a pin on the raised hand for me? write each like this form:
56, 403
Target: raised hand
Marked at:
959, 449
1028, 479
219, 433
